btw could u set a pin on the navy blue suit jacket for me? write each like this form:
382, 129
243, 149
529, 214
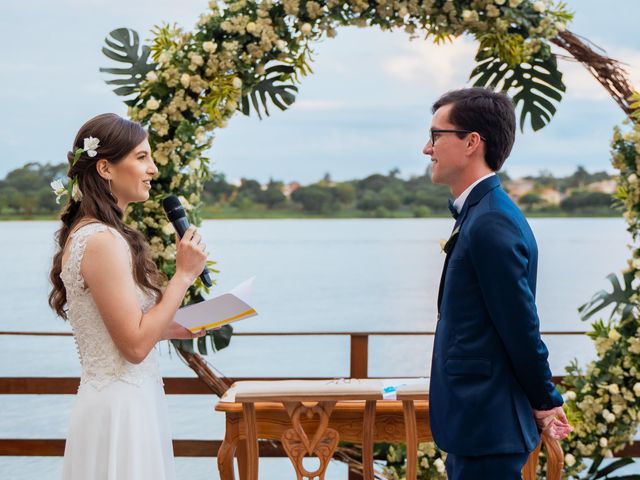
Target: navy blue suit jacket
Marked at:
489, 366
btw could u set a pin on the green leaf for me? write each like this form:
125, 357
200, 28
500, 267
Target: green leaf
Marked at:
222, 338
533, 86
202, 345
619, 297
280, 94
123, 45
623, 462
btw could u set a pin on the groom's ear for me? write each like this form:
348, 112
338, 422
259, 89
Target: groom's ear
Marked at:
103, 167
473, 142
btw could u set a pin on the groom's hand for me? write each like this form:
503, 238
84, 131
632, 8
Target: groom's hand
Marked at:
554, 422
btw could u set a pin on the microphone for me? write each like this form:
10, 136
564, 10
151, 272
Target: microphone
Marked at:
178, 218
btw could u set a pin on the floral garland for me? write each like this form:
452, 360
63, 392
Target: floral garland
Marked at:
603, 402
203, 78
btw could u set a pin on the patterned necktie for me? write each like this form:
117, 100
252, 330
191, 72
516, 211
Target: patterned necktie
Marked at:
453, 210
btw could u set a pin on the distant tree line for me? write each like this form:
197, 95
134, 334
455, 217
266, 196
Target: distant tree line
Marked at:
25, 191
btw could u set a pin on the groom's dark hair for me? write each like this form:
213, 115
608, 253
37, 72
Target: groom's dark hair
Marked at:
491, 114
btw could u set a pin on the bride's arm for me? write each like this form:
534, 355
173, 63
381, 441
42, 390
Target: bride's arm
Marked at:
105, 268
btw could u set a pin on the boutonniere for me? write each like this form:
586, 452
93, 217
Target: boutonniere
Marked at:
447, 245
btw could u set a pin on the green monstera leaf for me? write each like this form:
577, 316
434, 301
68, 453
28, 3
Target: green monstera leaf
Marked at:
537, 85
281, 94
619, 298
123, 45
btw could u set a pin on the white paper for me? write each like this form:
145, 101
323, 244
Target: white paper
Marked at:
221, 310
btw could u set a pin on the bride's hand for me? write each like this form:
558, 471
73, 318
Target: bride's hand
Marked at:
175, 331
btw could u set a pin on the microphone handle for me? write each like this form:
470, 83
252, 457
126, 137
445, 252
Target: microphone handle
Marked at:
181, 225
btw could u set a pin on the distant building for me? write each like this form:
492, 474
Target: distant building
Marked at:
551, 196
289, 188
603, 186
519, 187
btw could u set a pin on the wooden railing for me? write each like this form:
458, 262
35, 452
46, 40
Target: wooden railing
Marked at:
358, 368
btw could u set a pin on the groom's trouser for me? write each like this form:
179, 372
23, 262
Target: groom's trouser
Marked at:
487, 467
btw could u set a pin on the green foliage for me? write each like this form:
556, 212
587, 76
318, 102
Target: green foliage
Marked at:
272, 86
584, 201
620, 298
123, 46
536, 84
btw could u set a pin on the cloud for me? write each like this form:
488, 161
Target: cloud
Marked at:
582, 85
318, 105
440, 65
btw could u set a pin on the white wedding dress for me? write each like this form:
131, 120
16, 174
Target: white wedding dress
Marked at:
119, 423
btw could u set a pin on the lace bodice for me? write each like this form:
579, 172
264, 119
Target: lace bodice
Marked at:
102, 362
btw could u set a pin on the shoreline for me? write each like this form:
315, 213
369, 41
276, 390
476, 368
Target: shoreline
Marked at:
289, 216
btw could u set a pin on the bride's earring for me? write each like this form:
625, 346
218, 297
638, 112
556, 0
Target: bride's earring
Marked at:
110, 191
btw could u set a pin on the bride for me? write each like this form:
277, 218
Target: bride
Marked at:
106, 284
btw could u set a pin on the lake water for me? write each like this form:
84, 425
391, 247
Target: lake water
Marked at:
312, 275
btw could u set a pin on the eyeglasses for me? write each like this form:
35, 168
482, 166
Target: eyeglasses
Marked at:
434, 131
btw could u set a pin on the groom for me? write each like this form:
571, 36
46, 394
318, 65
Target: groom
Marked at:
491, 391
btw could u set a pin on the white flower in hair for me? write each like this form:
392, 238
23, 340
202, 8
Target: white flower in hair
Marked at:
76, 194
90, 146
58, 189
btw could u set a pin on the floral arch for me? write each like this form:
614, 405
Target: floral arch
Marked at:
248, 56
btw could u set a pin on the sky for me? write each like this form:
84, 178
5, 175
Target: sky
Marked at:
364, 110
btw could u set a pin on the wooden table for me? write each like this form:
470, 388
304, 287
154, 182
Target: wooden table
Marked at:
310, 420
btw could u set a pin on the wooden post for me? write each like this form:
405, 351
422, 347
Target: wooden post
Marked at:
359, 369
359, 356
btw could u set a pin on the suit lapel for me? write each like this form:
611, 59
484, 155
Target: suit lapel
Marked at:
478, 192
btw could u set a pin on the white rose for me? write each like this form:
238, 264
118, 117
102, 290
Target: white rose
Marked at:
232, 105
151, 76
281, 45
636, 389
539, 7
305, 29
614, 334
185, 79
514, 3
561, 27
633, 178
603, 442
251, 27
439, 464
90, 145
499, 2
152, 104
403, 12
569, 460
467, 15
76, 194
237, 83
163, 58
209, 47
570, 395
614, 389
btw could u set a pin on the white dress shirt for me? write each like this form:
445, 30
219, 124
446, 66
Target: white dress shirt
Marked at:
458, 203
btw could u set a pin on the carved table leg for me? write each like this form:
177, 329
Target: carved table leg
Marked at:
228, 447
241, 456
297, 444
249, 410
367, 438
412, 438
